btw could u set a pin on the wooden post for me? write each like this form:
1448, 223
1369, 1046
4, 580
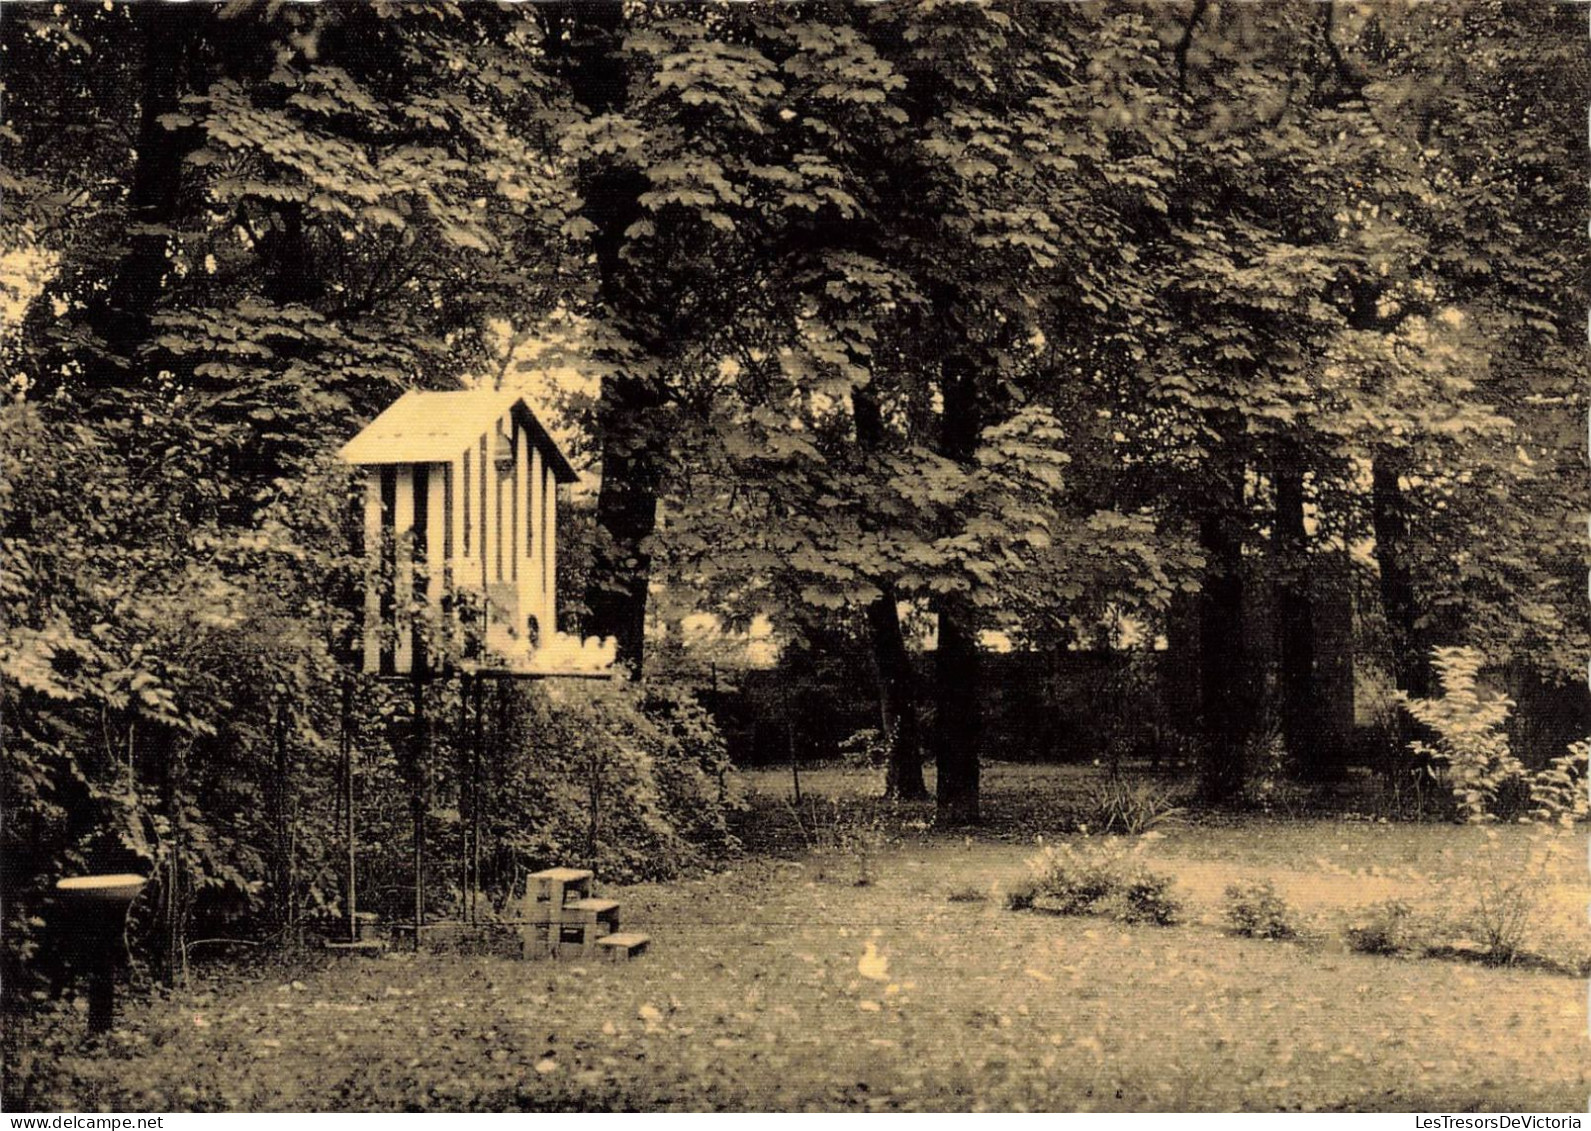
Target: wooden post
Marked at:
483, 536
403, 534
373, 578
499, 526
435, 563
453, 556
550, 539
516, 523
537, 564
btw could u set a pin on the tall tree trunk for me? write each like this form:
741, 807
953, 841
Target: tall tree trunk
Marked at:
958, 690
959, 730
632, 462
1227, 704
903, 776
1307, 747
588, 34
1178, 681
166, 35
1411, 669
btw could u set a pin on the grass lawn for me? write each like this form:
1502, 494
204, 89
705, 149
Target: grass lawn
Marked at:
782, 984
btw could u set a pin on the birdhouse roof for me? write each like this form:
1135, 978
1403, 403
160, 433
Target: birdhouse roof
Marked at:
427, 427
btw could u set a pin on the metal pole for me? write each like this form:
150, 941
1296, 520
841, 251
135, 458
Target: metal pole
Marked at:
417, 742
346, 744
463, 748
475, 802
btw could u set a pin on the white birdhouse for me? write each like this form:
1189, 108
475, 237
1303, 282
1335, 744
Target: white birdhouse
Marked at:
461, 497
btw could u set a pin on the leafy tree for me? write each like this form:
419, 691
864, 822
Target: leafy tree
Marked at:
1341, 314
312, 215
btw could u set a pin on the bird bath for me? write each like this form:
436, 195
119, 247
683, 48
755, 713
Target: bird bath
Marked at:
96, 909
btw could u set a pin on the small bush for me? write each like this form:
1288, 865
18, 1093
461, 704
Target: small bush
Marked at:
1255, 911
1558, 792
1143, 897
865, 748
1508, 887
854, 829
1072, 881
1097, 880
1021, 894
966, 894
1388, 927
1133, 807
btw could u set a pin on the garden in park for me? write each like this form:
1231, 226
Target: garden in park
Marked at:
898, 557
866, 963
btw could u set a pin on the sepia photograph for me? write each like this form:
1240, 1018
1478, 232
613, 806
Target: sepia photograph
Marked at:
918, 556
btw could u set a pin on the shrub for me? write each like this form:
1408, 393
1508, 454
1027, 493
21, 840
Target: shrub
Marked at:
865, 748
1133, 807
1558, 792
1388, 927
1143, 897
1255, 911
966, 894
1489, 783
1507, 893
1471, 745
857, 829
1020, 895
631, 780
1071, 881
1104, 880
1471, 749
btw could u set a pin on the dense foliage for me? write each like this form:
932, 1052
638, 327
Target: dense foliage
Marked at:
318, 209
911, 320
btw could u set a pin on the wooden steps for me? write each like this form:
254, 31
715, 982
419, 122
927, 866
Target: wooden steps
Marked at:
621, 946
561, 917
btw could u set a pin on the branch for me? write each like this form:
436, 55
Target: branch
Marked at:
1181, 49
1350, 76
1353, 78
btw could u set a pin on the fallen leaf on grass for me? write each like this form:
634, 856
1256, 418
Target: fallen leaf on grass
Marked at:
873, 965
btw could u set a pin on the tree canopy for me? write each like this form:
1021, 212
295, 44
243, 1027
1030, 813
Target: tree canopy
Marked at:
981, 318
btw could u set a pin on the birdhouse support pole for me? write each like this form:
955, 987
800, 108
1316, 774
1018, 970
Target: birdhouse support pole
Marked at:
417, 799
461, 745
477, 747
346, 756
